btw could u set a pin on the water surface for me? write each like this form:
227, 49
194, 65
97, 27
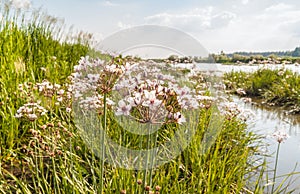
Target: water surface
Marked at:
266, 120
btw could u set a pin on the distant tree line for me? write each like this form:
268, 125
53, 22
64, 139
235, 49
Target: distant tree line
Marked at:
294, 53
280, 57
277, 57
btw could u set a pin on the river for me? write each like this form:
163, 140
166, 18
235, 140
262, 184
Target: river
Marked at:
266, 121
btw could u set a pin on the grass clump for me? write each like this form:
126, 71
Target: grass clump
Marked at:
278, 87
41, 147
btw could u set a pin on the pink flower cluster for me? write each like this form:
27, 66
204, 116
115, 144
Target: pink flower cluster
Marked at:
91, 79
31, 111
151, 102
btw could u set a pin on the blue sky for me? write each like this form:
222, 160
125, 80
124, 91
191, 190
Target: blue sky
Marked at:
231, 25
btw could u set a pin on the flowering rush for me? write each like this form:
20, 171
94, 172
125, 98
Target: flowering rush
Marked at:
150, 96
91, 79
31, 111
280, 136
141, 91
151, 102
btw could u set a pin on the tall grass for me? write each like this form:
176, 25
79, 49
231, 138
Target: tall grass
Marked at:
31, 51
48, 155
279, 87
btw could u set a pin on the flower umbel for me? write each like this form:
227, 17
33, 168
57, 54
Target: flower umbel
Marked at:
31, 111
280, 136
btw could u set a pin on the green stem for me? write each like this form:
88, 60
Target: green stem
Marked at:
103, 144
152, 159
276, 162
147, 157
36, 160
138, 176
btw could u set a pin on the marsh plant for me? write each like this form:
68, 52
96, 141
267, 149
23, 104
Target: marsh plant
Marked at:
278, 87
143, 101
45, 83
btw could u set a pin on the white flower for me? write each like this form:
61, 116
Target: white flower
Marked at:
280, 73
183, 91
32, 117
93, 78
68, 109
204, 98
57, 86
151, 100
109, 102
19, 115
137, 98
280, 136
60, 99
91, 103
30, 111
241, 91
179, 118
60, 92
188, 102
123, 108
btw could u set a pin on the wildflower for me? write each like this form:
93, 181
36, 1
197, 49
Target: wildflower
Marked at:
147, 188
31, 111
139, 181
43, 127
157, 188
123, 108
151, 101
68, 109
176, 117
232, 110
91, 103
93, 78
240, 91
246, 100
280, 136
60, 99
136, 100
188, 102
60, 92
219, 86
32, 117
179, 118
280, 73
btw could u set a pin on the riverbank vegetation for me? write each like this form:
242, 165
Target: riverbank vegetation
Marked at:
42, 149
243, 58
239, 58
280, 87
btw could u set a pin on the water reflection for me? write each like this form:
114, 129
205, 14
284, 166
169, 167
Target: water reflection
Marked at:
248, 68
229, 68
266, 121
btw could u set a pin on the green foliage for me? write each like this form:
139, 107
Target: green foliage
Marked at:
278, 87
29, 53
48, 155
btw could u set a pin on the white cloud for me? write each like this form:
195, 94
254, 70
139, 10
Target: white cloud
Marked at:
245, 2
278, 7
122, 25
197, 19
109, 4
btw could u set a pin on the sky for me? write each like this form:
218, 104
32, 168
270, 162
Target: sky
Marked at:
229, 26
